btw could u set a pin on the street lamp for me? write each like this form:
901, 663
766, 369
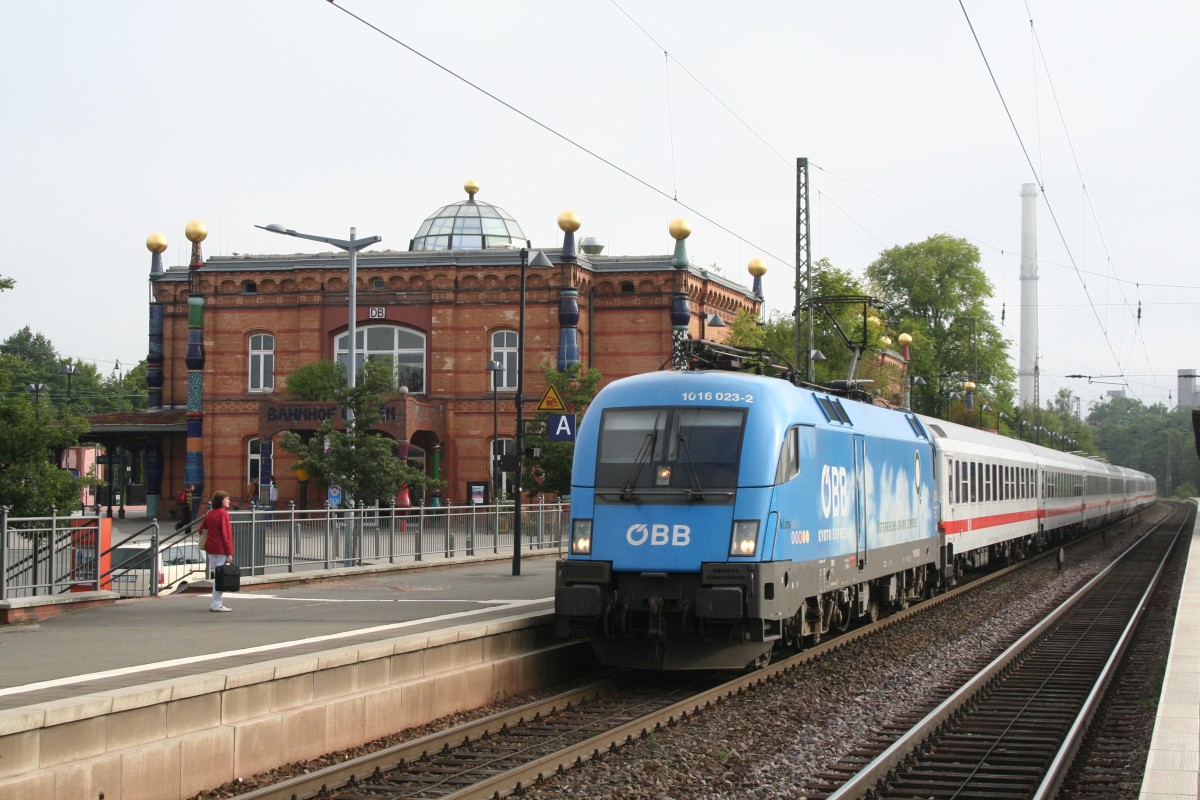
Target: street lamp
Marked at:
814, 356
37, 389
495, 368
68, 370
539, 261
352, 246
120, 399
913, 380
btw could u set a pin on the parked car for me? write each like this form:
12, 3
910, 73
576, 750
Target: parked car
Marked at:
178, 565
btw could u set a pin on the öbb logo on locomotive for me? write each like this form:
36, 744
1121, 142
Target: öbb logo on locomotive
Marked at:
835, 492
640, 533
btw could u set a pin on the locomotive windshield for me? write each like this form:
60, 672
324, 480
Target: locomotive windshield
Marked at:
689, 454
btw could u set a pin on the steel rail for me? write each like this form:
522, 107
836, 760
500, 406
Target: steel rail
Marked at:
1056, 774
867, 779
505, 782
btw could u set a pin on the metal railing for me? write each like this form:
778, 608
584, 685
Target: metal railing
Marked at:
46, 555
52, 555
291, 540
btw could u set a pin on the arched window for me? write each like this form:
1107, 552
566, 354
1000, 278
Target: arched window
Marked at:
249, 287
402, 347
262, 363
377, 283
504, 350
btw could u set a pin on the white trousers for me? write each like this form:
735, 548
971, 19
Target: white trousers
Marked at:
215, 560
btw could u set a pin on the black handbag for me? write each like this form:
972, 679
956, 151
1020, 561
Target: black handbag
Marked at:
229, 578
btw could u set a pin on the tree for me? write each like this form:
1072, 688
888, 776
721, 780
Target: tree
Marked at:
317, 382
364, 463
551, 472
1154, 440
778, 333
6, 283
935, 291
31, 485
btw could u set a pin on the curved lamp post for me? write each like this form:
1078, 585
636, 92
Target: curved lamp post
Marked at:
351, 246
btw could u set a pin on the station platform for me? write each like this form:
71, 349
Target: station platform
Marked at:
135, 645
1173, 765
139, 641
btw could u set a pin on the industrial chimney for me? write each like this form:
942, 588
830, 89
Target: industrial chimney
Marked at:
1026, 388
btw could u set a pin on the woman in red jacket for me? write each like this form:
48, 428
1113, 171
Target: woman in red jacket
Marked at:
219, 545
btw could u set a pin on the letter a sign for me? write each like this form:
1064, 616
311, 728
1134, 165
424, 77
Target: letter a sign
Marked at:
552, 401
561, 428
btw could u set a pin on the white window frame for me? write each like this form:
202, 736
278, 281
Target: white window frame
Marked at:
504, 350
262, 363
405, 360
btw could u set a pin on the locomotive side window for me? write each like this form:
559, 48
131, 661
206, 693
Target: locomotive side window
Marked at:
789, 457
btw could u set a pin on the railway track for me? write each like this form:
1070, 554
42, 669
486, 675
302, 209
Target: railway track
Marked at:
1012, 731
496, 755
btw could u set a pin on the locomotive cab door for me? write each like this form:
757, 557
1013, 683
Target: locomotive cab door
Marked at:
860, 501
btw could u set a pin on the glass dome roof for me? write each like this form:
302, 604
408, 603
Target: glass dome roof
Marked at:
468, 225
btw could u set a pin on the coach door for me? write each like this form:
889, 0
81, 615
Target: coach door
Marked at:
860, 501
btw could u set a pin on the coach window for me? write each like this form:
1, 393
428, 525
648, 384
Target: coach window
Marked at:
789, 457
262, 363
504, 350
404, 348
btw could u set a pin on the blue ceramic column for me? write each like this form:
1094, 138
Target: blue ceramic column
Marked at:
681, 313
193, 465
568, 296
156, 243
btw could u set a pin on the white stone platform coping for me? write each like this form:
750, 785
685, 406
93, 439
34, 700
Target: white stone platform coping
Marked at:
1173, 765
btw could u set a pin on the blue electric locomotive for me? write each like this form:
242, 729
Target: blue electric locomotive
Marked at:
716, 513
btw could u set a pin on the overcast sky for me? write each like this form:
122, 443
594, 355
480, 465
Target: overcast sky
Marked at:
124, 118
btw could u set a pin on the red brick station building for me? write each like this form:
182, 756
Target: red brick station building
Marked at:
226, 332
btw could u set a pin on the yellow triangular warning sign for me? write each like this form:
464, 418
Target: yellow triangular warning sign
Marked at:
551, 401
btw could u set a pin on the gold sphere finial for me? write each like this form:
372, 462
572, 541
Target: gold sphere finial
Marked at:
876, 321
756, 267
471, 188
569, 220
886, 340
906, 339
156, 243
680, 228
196, 231
969, 386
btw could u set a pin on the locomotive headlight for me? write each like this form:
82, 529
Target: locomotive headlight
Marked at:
662, 476
581, 537
745, 538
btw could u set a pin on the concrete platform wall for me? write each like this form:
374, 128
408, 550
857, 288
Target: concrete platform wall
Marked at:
172, 739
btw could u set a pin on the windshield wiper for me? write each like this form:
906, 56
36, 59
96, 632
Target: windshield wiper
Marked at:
643, 458
697, 490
